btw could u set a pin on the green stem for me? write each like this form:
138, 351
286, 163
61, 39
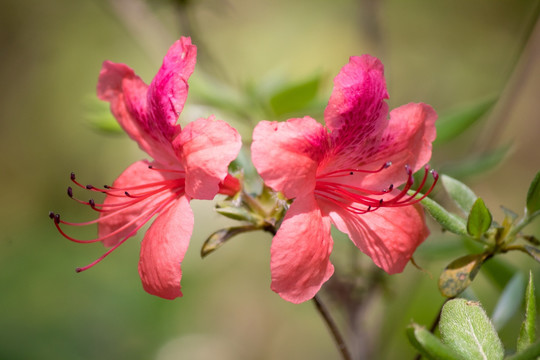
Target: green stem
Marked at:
323, 311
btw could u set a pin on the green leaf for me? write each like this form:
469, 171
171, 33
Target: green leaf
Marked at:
466, 328
295, 97
509, 301
476, 163
527, 333
531, 352
451, 125
459, 274
533, 195
479, 219
448, 221
217, 239
239, 213
463, 196
429, 345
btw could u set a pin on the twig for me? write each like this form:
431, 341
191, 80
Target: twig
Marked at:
321, 308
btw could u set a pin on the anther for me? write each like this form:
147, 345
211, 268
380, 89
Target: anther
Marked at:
391, 187
78, 270
57, 218
72, 176
92, 203
106, 186
387, 164
51, 214
351, 173
89, 187
127, 194
380, 202
70, 191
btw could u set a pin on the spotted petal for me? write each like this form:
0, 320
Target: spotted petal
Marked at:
127, 94
357, 113
169, 88
406, 141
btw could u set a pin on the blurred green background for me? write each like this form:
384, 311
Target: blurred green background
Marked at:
445, 53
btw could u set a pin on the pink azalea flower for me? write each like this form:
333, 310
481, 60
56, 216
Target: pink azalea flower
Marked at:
189, 163
346, 174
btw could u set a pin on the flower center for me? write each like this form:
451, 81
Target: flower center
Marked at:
360, 200
148, 198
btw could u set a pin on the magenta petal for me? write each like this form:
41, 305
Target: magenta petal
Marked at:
163, 249
127, 94
136, 174
287, 154
207, 147
357, 101
406, 141
389, 236
168, 91
300, 252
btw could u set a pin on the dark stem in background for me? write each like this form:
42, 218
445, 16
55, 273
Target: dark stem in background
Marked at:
325, 314
323, 311
526, 56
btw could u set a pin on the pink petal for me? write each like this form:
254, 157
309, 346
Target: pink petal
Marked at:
286, 154
163, 249
126, 93
357, 113
169, 89
300, 252
207, 147
406, 141
389, 236
136, 174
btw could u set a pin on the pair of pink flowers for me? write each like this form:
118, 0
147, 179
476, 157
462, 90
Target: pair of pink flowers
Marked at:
346, 173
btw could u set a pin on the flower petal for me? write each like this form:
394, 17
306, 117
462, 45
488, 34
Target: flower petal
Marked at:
163, 249
126, 93
287, 154
357, 112
389, 236
300, 252
207, 147
136, 174
406, 141
169, 88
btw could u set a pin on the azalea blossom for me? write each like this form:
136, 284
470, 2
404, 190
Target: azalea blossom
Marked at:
355, 173
188, 163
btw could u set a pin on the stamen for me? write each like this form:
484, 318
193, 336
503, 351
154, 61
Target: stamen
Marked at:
351, 197
157, 196
161, 207
339, 173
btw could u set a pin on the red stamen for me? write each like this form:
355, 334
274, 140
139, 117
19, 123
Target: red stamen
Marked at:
158, 196
342, 172
358, 200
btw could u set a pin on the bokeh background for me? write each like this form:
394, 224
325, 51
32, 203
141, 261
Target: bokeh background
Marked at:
445, 53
